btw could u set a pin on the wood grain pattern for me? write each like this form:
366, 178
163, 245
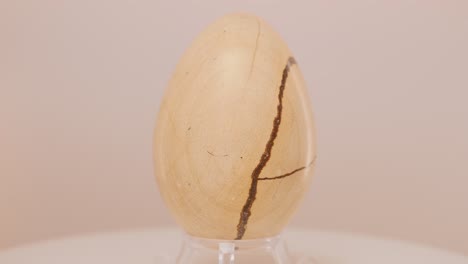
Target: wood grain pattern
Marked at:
214, 137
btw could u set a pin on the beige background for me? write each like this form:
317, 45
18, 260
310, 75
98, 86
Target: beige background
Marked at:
81, 81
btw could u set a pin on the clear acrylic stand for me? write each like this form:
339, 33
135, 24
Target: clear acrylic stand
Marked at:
211, 251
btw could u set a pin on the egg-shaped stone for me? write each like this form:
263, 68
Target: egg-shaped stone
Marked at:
234, 143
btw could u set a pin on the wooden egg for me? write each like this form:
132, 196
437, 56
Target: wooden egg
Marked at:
234, 141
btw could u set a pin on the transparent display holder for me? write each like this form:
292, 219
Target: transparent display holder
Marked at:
272, 250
